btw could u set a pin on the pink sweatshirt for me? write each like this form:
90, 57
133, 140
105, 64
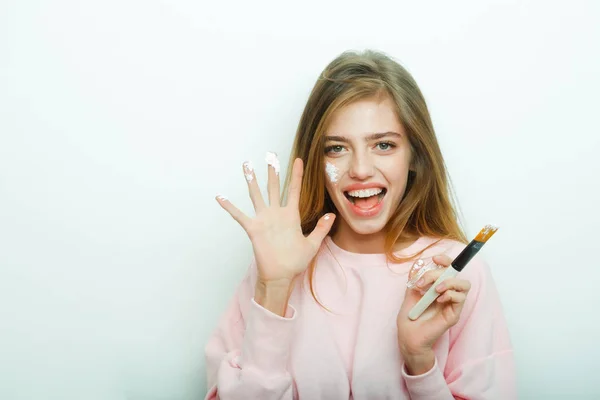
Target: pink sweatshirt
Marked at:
352, 352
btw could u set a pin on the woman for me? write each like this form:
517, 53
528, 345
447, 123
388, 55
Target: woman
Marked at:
322, 311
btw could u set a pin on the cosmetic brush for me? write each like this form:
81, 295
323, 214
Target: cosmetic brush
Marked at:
459, 263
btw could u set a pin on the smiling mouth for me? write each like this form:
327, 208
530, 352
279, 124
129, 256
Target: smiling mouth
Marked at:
366, 198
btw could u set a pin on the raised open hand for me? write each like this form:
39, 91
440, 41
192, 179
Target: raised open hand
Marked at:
280, 248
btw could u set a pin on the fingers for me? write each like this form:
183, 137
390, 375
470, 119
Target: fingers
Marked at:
255, 195
293, 197
273, 181
321, 230
235, 213
429, 278
459, 285
452, 296
453, 292
442, 260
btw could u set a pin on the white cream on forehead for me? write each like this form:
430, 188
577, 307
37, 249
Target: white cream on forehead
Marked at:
332, 172
273, 161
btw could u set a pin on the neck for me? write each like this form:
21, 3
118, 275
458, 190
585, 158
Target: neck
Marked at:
353, 242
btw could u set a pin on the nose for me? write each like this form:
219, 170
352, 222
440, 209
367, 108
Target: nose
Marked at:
361, 167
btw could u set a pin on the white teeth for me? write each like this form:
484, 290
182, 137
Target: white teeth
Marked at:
365, 192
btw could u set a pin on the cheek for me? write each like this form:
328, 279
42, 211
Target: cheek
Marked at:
396, 171
335, 169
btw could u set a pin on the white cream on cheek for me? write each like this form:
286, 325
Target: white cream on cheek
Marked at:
332, 172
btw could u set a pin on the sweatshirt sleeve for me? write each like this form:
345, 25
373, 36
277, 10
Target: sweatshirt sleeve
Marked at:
480, 360
247, 355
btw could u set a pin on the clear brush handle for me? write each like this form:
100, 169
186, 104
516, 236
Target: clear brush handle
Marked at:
430, 296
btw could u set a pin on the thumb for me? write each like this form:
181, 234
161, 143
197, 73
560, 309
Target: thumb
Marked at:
321, 230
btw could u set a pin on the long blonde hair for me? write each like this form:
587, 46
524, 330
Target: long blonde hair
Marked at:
427, 208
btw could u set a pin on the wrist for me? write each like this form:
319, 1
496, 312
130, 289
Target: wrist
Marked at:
273, 295
419, 363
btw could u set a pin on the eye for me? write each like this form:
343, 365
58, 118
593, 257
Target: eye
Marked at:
385, 146
335, 149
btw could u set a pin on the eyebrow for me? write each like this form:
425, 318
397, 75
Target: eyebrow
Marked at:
372, 137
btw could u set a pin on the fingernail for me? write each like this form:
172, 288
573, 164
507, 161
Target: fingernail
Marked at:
420, 282
440, 288
221, 197
326, 217
273, 161
248, 171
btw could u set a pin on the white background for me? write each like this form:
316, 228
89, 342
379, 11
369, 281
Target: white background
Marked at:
121, 120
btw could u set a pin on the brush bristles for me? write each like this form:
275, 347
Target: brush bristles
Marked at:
486, 233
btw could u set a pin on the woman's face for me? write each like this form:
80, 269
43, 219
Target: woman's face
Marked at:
367, 159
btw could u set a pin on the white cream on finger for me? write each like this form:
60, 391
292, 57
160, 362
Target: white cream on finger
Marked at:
249, 171
273, 161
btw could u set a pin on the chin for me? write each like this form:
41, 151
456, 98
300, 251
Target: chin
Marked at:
367, 226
